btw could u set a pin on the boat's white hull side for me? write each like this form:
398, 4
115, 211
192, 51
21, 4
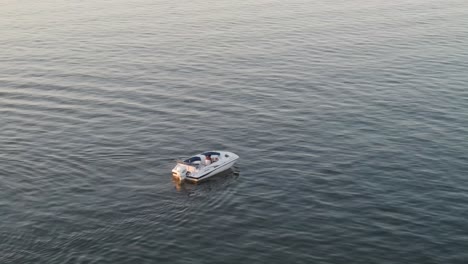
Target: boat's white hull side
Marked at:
203, 176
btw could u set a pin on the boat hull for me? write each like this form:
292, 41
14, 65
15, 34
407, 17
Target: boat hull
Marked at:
211, 173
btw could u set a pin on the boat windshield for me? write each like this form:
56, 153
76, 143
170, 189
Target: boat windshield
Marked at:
192, 160
211, 153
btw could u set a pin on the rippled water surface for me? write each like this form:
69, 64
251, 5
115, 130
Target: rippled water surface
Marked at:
350, 118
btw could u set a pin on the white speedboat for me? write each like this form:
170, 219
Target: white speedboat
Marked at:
204, 165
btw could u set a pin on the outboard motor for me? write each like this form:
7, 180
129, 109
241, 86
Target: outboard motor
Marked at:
180, 172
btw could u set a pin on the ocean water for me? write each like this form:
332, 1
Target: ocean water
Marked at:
350, 119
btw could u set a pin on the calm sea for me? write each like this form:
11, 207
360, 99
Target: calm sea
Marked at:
350, 118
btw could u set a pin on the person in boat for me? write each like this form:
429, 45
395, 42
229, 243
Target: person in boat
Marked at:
208, 160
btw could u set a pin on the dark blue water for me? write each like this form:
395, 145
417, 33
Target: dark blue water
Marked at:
350, 118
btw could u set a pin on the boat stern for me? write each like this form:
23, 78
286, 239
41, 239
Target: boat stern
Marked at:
179, 172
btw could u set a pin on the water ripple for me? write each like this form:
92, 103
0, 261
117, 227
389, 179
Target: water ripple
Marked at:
349, 118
